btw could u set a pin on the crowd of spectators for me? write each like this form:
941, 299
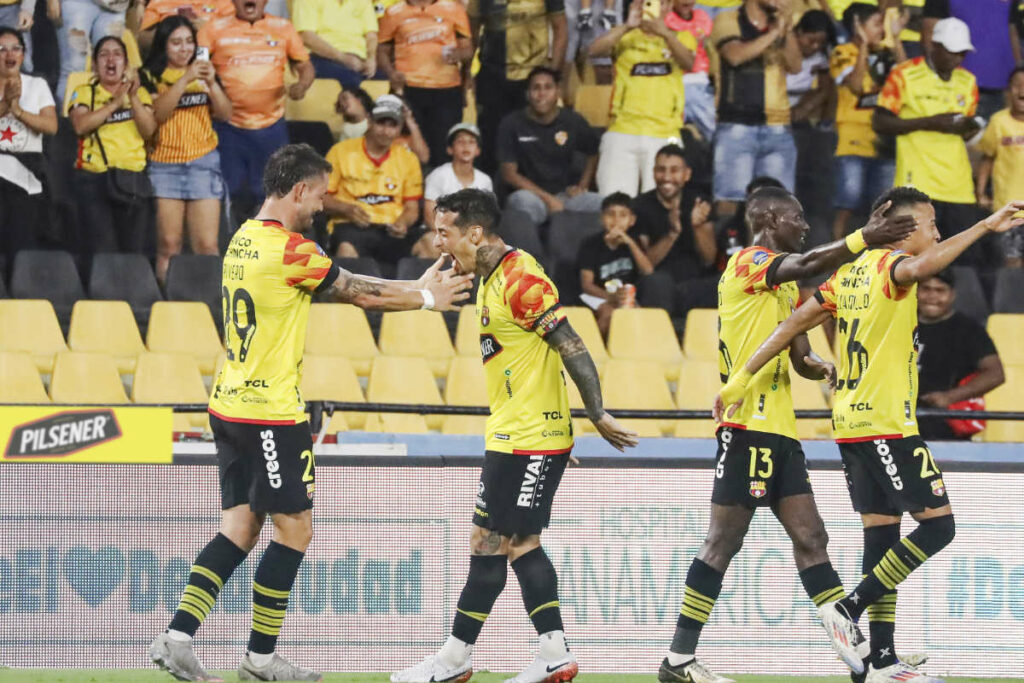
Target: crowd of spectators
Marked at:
832, 100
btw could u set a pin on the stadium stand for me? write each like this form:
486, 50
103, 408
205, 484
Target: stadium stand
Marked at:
30, 325
970, 297
696, 390
700, 336
332, 378
125, 277
341, 330
594, 103
582, 320
22, 383
635, 384
1005, 397
467, 333
419, 334
1009, 286
163, 378
1007, 331
196, 277
185, 327
86, 379
50, 275
106, 327
465, 386
397, 379
411, 267
317, 105
645, 334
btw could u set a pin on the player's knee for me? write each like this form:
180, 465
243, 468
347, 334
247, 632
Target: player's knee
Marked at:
720, 547
487, 542
811, 540
940, 530
520, 545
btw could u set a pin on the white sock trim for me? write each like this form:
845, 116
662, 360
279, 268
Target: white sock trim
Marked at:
676, 659
260, 659
552, 645
455, 652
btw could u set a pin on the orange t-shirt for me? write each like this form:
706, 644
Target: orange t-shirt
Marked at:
420, 35
250, 60
198, 11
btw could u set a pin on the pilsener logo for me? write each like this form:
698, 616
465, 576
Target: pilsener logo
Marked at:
62, 434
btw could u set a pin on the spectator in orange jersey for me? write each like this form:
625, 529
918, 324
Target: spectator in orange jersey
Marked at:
197, 11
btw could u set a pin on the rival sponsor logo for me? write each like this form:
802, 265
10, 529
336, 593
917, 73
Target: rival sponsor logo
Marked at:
270, 455
62, 434
528, 487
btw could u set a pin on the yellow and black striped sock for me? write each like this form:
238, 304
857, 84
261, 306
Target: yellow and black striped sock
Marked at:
703, 584
822, 584
213, 567
271, 586
882, 627
538, 584
486, 580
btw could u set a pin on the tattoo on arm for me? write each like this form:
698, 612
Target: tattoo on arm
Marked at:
580, 366
349, 287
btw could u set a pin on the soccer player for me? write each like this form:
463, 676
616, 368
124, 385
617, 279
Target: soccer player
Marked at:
760, 462
525, 340
889, 469
264, 446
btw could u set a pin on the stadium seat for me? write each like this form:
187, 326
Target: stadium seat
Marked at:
106, 327
3, 286
1007, 331
332, 378
1009, 285
594, 103
466, 386
582, 320
700, 336
86, 379
420, 334
467, 333
50, 275
170, 378
21, 383
970, 297
819, 344
196, 277
341, 330
396, 379
376, 87
1005, 397
638, 385
645, 334
360, 266
317, 105
185, 327
568, 231
698, 385
316, 134
808, 395
75, 79
30, 325
125, 277
411, 267
519, 231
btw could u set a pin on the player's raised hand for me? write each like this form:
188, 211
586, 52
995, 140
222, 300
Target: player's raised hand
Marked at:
449, 289
882, 230
432, 273
614, 433
1006, 218
822, 368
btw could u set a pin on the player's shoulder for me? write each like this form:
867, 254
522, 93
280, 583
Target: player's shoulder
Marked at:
911, 70
401, 152
963, 76
518, 267
344, 149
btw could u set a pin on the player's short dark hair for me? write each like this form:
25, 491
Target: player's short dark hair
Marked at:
472, 207
9, 31
291, 165
858, 11
763, 181
1009, 79
541, 71
673, 150
901, 196
617, 199
760, 199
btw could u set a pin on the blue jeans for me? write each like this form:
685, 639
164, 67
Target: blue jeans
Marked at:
533, 206
700, 106
743, 153
326, 68
83, 23
9, 17
244, 153
859, 180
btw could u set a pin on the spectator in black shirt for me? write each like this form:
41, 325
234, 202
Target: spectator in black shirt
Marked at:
536, 146
958, 360
610, 260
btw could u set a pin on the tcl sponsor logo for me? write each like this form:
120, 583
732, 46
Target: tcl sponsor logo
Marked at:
885, 455
62, 434
270, 455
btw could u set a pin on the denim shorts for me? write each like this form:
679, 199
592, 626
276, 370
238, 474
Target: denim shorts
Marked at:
744, 152
197, 179
860, 180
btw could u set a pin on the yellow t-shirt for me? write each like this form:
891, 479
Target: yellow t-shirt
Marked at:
876, 391
121, 140
269, 276
342, 24
648, 95
1003, 140
935, 163
750, 307
517, 305
380, 186
854, 112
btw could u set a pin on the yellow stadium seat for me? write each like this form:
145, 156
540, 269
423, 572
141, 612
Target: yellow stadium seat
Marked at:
30, 325
375, 88
594, 103
86, 378
397, 379
1006, 397
21, 382
418, 334
1007, 331
185, 327
700, 337
317, 105
75, 79
645, 334
332, 378
819, 344
582, 320
807, 395
637, 385
698, 385
170, 378
341, 330
106, 327
466, 386
467, 333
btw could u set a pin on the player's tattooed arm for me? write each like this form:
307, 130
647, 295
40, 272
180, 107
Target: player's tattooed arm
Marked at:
373, 293
581, 368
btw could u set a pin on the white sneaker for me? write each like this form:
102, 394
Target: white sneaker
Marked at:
434, 670
694, 671
549, 671
914, 659
842, 634
900, 672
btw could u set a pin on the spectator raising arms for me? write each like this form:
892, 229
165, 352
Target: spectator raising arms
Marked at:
196, 11
342, 37
27, 112
81, 23
1003, 147
113, 118
250, 52
185, 165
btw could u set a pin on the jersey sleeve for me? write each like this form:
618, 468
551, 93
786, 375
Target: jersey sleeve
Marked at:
891, 97
887, 267
305, 265
725, 28
972, 98
755, 267
297, 51
826, 294
531, 296
461, 21
386, 26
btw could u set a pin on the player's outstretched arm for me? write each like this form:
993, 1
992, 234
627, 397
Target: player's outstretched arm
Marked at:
826, 258
581, 368
809, 315
441, 291
936, 258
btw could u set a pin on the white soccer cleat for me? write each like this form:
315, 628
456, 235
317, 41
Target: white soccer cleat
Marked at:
694, 671
900, 672
842, 634
434, 670
548, 671
178, 659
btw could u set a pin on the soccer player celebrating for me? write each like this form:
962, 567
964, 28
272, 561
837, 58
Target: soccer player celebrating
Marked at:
525, 339
264, 446
760, 462
889, 469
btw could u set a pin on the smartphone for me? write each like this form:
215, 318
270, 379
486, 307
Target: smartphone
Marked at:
652, 8
202, 54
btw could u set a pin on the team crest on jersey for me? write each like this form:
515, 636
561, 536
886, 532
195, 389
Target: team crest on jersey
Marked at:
271, 42
758, 489
485, 317
390, 184
938, 487
561, 137
489, 347
760, 257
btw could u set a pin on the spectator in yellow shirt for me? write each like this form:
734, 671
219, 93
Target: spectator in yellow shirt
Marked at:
1003, 163
342, 37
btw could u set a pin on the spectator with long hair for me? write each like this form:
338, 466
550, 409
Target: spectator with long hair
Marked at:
184, 165
81, 23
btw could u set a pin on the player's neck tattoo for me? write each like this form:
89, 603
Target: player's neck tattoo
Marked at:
487, 258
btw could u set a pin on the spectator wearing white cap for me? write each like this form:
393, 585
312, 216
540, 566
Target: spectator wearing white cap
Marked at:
928, 103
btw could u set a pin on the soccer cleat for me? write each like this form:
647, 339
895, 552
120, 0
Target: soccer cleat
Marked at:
178, 659
279, 669
584, 20
608, 19
434, 670
900, 672
842, 634
914, 659
547, 671
694, 671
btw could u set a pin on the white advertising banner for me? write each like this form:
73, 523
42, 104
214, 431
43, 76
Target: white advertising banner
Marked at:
93, 559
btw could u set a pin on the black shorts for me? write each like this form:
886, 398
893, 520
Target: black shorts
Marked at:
757, 469
892, 476
516, 491
270, 467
